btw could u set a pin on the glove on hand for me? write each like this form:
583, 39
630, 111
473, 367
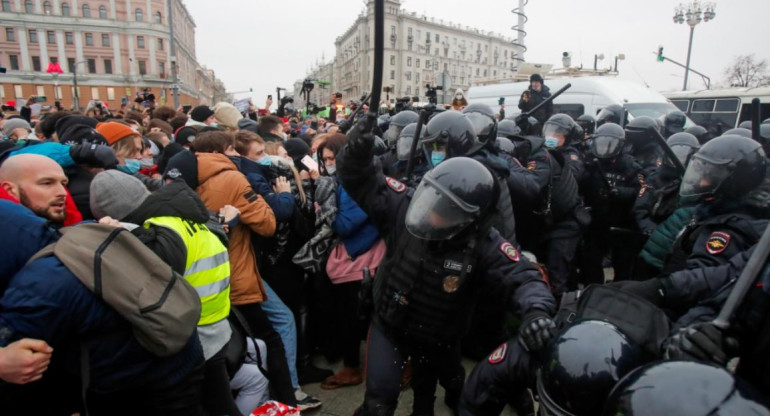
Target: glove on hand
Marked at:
360, 142
536, 330
701, 342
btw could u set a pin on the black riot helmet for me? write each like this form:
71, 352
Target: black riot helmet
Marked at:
684, 145
740, 131
699, 132
563, 126
746, 124
450, 132
608, 141
529, 126
673, 122
507, 128
587, 122
484, 123
450, 198
398, 122
582, 364
727, 167
684, 388
613, 113
383, 122
505, 145
640, 132
405, 140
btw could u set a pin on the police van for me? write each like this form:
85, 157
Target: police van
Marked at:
722, 109
588, 95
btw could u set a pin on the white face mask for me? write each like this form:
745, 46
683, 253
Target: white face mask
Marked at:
331, 170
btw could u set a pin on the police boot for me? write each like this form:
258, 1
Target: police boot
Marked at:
453, 390
306, 371
375, 409
423, 406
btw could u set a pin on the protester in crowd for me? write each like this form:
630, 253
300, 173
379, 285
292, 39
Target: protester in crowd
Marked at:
271, 129
227, 116
201, 116
128, 147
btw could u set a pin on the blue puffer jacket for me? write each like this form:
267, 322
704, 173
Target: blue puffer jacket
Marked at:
44, 300
353, 225
25, 233
282, 204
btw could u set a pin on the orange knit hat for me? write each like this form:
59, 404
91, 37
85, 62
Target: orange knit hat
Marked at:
114, 132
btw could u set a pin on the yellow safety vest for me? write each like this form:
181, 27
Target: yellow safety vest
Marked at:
207, 268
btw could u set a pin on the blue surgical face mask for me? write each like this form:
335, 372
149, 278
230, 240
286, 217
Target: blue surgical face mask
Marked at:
551, 142
265, 161
147, 163
436, 158
331, 170
131, 166
214, 125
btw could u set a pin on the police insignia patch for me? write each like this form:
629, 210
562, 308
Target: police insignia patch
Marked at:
498, 355
451, 283
642, 191
531, 165
510, 251
395, 185
717, 242
573, 157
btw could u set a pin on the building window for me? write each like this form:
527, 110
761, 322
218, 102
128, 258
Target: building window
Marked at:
28, 7
108, 66
417, 76
47, 9
409, 90
68, 38
102, 12
6, 5
17, 91
51, 37
10, 34
162, 69
65, 9
105, 39
139, 16
160, 44
437, 38
89, 39
91, 65
408, 76
71, 64
32, 36
110, 93
94, 93
140, 42
142, 67
392, 74
40, 90
392, 59
427, 64
409, 61
14, 62
417, 63
158, 18
36, 63
86, 10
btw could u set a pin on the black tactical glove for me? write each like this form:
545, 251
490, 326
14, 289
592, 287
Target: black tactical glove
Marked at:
701, 342
537, 328
651, 289
96, 155
360, 141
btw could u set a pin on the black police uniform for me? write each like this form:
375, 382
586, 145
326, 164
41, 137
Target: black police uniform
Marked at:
421, 306
657, 198
535, 98
610, 189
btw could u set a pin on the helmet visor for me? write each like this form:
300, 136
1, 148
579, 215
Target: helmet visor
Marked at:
554, 130
435, 213
392, 135
404, 147
703, 178
682, 153
606, 147
482, 124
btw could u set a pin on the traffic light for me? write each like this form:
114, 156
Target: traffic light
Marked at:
660, 54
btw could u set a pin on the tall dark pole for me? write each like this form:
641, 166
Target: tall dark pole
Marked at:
76, 97
172, 50
687, 64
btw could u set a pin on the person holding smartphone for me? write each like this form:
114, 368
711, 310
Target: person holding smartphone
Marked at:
532, 97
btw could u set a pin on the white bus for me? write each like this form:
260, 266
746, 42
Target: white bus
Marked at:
588, 95
723, 109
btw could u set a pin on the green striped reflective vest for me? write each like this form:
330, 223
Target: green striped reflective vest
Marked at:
207, 267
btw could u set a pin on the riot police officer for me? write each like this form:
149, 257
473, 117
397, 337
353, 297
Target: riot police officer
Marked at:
699, 132
613, 113
673, 122
612, 183
402, 151
718, 179
640, 134
440, 247
396, 124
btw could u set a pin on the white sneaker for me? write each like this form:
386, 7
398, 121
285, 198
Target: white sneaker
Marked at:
306, 401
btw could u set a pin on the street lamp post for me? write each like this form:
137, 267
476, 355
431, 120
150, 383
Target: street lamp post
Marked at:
76, 95
692, 13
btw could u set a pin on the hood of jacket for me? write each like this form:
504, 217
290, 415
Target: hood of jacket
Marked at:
30, 234
212, 164
176, 199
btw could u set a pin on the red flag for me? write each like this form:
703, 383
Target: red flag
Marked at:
54, 68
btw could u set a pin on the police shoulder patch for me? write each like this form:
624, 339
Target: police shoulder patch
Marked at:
395, 185
498, 355
510, 251
531, 165
717, 242
642, 191
573, 157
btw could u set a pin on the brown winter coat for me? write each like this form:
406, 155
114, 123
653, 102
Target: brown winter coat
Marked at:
222, 184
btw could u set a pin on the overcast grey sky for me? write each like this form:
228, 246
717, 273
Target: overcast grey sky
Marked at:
264, 44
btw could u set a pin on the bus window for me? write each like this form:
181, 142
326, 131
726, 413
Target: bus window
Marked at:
572, 110
764, 112
682, 105
703, 106
727, 105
